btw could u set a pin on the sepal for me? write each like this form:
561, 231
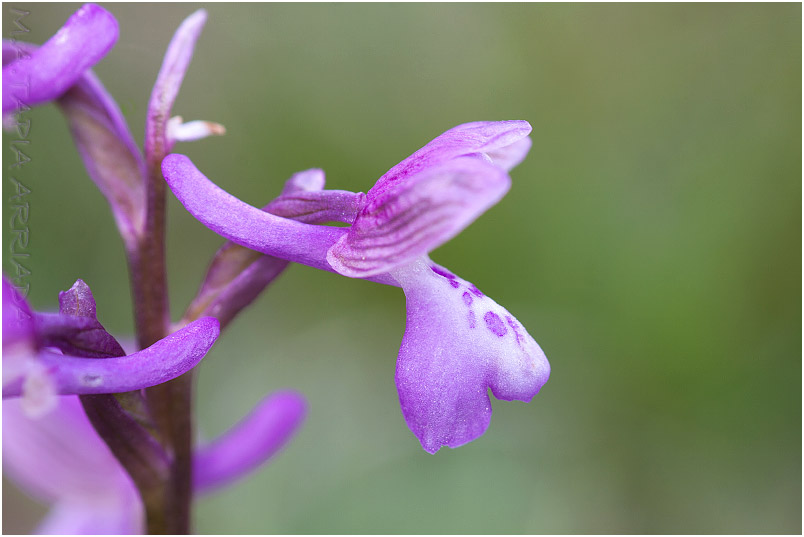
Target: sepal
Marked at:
410, 218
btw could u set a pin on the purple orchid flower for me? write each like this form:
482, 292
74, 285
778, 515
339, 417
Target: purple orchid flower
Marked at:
458, 342
38, 364
60, 460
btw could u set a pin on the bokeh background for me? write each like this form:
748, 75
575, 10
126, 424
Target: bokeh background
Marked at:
651, 243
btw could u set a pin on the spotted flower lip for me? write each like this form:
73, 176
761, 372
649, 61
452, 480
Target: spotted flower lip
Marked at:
53, 68
37, 373
458, 343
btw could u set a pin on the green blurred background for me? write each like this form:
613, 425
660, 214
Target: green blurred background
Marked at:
650, 243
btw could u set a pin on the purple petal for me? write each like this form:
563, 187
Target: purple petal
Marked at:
18, 328
164, 360
84, 39
304, 200
311, 180
76, 330
168, 82
250, 443
59, 455
78, 301
458, 343
410, 218
16, 50
508, 157
76, 336
500, 140
100, 517
243, 224
318, 207
109, 152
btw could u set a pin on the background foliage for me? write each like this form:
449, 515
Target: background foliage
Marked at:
651, 244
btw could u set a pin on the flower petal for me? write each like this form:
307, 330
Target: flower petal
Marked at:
59, 458
168, 82
84, 39
304, 199
76, 336
458, 343
118, 517
59, 455
164, 360
509, 156
480, 137
409, 219
75, 330
243, 224
250, 443
18, 327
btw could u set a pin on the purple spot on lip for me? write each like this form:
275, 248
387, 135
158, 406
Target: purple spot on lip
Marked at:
514, 326
454, 284
467, 299
443, 272
495, 324
475, 290
471, 319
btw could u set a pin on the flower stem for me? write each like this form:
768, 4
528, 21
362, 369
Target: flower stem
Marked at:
170, 404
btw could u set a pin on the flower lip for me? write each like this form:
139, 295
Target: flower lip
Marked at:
458, 344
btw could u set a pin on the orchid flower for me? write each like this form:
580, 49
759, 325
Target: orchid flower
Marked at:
60, 459
458, 342
97, 364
